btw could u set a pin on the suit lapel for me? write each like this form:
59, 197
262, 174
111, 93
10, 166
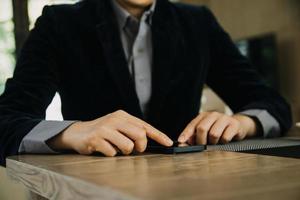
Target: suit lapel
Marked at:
108, 35
165, 40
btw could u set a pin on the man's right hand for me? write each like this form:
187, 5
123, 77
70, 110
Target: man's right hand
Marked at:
108, 134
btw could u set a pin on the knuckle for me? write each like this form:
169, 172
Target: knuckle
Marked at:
140, 136
120, 112
111, 118
108, 115
239, 137
111, 153
213, 135
201, 129
225, 140
141, 147
128, 148
86, 148
84, 152
235, 122
112, 115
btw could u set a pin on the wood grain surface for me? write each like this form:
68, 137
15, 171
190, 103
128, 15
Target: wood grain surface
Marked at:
206, 175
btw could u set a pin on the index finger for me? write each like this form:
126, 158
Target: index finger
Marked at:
189, 131
152, 132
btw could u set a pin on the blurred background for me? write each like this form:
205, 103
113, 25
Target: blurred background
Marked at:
266, 31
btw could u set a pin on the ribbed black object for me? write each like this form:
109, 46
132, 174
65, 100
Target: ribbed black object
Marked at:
285, 147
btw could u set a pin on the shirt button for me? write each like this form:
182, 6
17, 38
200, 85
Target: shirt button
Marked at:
140, 50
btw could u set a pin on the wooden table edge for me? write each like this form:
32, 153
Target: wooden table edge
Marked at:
47, 183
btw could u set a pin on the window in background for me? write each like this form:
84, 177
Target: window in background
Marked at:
7, 42
35, 7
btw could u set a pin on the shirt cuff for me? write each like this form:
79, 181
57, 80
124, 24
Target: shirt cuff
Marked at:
270, 125
35, 140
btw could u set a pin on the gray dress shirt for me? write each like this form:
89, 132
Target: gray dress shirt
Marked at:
136, 37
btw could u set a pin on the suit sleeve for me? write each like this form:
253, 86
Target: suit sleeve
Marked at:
237, 82
36, 140
30, 91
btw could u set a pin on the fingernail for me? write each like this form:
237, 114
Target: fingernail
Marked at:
181, 139
170, 142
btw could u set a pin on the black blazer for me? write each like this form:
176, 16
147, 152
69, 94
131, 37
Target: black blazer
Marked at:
76, 50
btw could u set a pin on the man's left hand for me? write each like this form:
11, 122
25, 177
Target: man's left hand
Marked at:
214, 128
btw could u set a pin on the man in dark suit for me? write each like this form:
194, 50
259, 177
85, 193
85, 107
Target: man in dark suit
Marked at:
123, 67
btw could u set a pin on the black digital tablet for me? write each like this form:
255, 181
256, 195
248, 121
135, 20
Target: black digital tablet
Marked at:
176, 148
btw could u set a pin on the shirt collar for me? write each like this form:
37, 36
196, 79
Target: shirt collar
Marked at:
123, 15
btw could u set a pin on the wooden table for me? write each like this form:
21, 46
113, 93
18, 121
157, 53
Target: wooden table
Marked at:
206, 175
